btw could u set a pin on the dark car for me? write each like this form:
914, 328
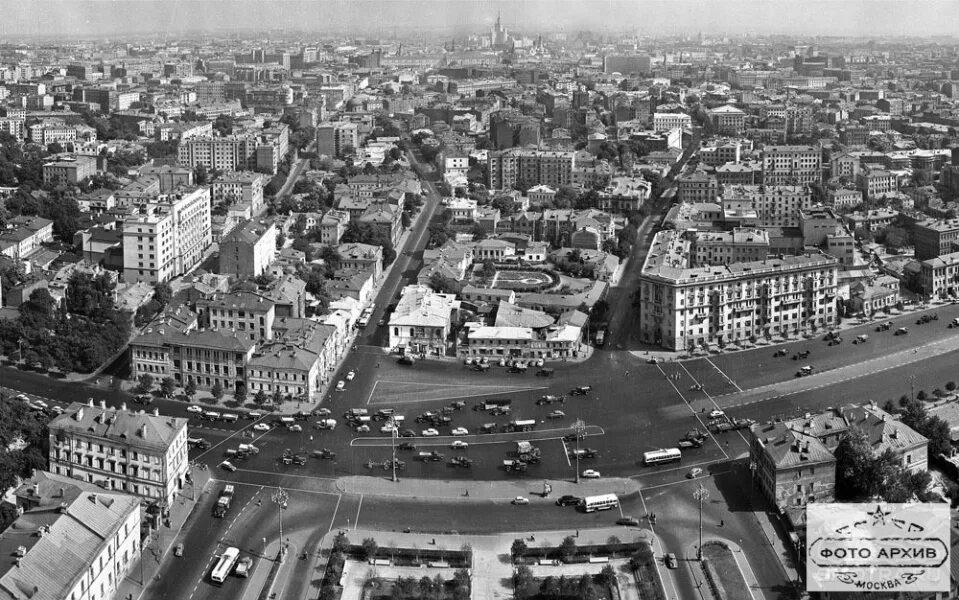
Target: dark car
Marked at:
406, 360
407, 446
581, 390
567, 500
408, 433
628, 521
780, 352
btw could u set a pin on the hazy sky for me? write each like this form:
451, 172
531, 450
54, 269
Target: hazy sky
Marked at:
871, 18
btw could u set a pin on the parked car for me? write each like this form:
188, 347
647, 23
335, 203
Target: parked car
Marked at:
884, 326
460, 431
670, 560
227, 465
430, 432
591, 474
178, 551
780, 352
567, 500
406, 360
694, 473
193, 408
716, 414
520, 500
261, 427
628, 521
581, 390
351, 375
902, 331
340, 385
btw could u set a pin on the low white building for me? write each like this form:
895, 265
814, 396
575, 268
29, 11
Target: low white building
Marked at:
421, 322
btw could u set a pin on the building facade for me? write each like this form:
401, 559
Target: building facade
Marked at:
792, 165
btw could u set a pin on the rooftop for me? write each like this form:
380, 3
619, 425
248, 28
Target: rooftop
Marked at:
136, 429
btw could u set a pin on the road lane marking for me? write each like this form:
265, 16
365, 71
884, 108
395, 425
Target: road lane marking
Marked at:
284, 474
285, 487
694, 413
335, 509
358, 507
725, 376
233, 435
476, 439
370, 397
566, 453
702, 388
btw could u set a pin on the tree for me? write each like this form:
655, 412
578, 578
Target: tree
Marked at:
568, 547
369, 548
405, 220
167, 386
914, 415
341, 543
260, 397
240, 394
523, 582
190, 389
565, 196
518, 548
144, 383
200, 174
607, 576
444, 285
217, 391
504, 204
478, 232
489, 268
643, 556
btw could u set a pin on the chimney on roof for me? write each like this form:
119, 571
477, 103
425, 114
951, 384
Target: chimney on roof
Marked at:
90, 402
123, 406
156, 412
103, 404
78, 416
63, 508
60, 493
92, 498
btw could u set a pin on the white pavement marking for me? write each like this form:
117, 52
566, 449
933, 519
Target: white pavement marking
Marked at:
656, 539
231, 436
725, 376
477, 439
358, 507
758, 589
335, 509
566, 453
370, 398
695, 414
716, 406
283, 475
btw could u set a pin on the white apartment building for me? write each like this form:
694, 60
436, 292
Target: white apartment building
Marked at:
122, 450
792, 165
242, 187
232, 153
939, 277
421, 321
167, 237
71, 541
12, 127
667, 121
48, 133
531, 167
775, 205
684, 307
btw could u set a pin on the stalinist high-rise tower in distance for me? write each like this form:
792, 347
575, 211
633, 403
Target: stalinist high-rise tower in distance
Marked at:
499, 36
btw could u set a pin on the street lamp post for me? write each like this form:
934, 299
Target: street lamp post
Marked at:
700, 494
280, 498
579, 429
393, 432
912, 387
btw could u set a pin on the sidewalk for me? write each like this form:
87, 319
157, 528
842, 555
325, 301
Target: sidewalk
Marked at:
157, 546
482, 490
778, 546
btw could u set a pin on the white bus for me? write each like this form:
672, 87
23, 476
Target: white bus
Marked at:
224, 565
664, 455
604, 502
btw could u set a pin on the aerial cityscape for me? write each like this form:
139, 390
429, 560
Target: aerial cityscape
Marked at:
478, 300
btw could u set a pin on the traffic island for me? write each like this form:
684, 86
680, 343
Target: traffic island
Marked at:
723, 573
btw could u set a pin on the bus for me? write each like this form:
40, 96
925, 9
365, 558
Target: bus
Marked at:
664, 455
603, 502
225, 564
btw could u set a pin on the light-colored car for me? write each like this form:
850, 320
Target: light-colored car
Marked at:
591, 474
694, 473
539, 362
557, 414
716, 414
518, 500
670, 560
193, 408
340, 385
459, 445
295, 428
261, 427
460, 431
323, 412
227, 465
363, 429
178, 550
430, 432
467, 361
502, 362
351, 375
388, 428
254, 414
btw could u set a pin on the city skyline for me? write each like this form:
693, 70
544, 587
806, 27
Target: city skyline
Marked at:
96, 18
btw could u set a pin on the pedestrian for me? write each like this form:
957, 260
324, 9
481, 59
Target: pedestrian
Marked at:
627, 373
434, 541
722, 522
577, 533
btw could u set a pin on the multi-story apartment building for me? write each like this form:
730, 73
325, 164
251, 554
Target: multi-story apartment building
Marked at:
249, 314
775, 205
844, 198
727, 120
48, 133
336, 138
333, 226
361, 257
684, 307
721, 153
792, 165
248, 249
69, 171
167, 236
667, 121
122, 450
23, 235
231, 153
845, 165
939, 276
876, 183
420, 324
297, 364
530, 168
935, 237
70, 540
871, 220
697, 186
12, 126
742, 244
244, 187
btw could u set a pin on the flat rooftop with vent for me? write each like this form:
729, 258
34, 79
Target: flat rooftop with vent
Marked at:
121, 449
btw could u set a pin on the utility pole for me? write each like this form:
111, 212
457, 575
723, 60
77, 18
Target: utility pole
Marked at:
579, 430
700, 494
393, 433
280, 498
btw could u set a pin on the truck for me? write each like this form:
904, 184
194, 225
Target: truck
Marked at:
222, 505
430, 456
521, 425
493, 404
528, 453
515, 465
